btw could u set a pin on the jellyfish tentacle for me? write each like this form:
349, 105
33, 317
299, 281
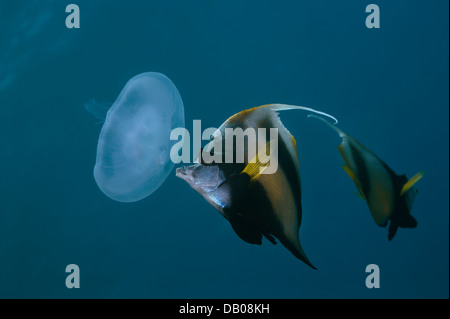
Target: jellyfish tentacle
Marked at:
98, 109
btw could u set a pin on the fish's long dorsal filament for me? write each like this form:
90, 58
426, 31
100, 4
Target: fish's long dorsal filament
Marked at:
284, 107
335, 128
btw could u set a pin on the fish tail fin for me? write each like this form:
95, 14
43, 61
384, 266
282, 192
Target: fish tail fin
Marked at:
409, 222
284, 107
406, 221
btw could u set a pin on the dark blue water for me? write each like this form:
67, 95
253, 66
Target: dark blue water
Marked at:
388, 87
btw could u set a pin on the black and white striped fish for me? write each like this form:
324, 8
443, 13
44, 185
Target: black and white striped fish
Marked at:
256, 204
388, 195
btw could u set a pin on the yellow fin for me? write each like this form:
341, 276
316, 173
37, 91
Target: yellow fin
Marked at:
352, 175
254, 168
411, 182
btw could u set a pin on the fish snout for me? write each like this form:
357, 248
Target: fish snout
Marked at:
181, 172
186, 173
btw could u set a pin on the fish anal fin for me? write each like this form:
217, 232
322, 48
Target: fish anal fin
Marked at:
294, 246
412, 181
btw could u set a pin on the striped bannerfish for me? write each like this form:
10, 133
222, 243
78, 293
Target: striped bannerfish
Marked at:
255, 203
388, 195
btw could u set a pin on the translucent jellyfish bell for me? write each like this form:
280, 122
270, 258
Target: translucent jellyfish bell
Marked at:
133, 152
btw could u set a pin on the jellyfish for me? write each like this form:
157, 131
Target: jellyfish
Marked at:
133, 151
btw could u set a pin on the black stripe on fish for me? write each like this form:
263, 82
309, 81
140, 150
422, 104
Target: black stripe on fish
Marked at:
250, 212
287, 164
362, 174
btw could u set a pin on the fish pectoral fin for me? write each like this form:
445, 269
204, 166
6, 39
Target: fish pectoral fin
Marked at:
258, 164
352, 175
413, 180
246, 230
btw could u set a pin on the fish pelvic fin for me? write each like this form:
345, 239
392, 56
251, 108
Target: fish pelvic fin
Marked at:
413, 180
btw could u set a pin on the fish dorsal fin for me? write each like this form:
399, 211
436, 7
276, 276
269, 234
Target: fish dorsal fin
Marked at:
284, 107
277, 108
333, 127
352, 175
254, 168
294, 145
413, 180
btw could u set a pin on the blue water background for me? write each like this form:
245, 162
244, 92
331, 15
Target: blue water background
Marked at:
388, 87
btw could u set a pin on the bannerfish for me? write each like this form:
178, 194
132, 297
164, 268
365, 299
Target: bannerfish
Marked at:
256, 204
388, 195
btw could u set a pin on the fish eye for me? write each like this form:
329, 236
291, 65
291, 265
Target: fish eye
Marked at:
211, 137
